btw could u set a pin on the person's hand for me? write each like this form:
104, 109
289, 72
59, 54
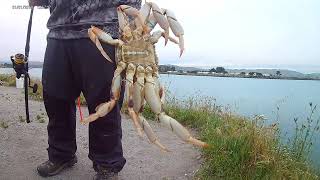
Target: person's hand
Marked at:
43, 3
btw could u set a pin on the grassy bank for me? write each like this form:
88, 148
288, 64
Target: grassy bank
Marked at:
242, 148
10, 80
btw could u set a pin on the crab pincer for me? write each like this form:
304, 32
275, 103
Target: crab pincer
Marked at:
176, 28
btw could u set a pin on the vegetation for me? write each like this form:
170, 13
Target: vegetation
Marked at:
221, 70
192, 72
278, 73
10, 80
165, 68
6, 65
212, 70
259, 74
243, 148
21, 119
4, 125
40, 118
301, 144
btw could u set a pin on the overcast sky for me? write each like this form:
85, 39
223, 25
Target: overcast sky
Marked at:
231, 33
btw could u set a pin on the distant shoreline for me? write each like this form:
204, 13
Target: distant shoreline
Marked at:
240, 76
220, 75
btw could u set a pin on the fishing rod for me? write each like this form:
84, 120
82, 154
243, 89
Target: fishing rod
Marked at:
20, 64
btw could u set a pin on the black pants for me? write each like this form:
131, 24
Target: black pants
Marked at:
71, 67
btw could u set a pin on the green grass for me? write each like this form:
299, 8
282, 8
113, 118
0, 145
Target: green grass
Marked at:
40, 118
10, 80
21, 119
4, 125
240, 148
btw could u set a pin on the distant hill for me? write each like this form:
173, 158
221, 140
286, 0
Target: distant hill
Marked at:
284, 72
35, 64
181, 68
313, 75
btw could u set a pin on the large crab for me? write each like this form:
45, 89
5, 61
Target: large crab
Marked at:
137, 62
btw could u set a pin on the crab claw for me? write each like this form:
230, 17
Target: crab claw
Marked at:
166, 37
95, 34
181, 44
131, 11
161, 20
176, 28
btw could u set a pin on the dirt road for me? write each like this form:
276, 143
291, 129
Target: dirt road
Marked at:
23, 147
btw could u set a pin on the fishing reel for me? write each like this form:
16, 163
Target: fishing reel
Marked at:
20, 65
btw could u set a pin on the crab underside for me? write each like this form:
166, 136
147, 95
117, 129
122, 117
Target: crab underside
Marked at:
137, 65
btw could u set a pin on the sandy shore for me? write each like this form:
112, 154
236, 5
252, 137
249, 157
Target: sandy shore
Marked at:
23, 147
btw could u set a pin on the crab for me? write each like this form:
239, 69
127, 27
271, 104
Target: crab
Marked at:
137, 62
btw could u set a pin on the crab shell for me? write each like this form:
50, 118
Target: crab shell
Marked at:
138, 52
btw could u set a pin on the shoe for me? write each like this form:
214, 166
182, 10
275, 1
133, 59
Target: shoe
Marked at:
105, 174
49, 168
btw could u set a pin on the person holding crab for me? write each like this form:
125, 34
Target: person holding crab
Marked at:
73, 64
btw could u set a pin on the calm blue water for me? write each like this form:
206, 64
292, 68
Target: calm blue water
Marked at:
34, 72
247, 97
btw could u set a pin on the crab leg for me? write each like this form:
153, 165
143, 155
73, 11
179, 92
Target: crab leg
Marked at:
161, 20
176, 28
159, 89
145, 11
104, 108
105, 37
94, 38
156, 36
154, 101
150, 133
151, 22
96, 34
124, 25
128, 10
122, 19
138, 89
129, 77
138, 106
155, 76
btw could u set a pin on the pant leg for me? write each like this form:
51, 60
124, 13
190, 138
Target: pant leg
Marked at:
96, 75
59, 94
61, 128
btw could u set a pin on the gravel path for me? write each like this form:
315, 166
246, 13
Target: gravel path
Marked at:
23, 147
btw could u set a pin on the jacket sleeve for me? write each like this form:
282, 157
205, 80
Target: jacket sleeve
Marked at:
43, 3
